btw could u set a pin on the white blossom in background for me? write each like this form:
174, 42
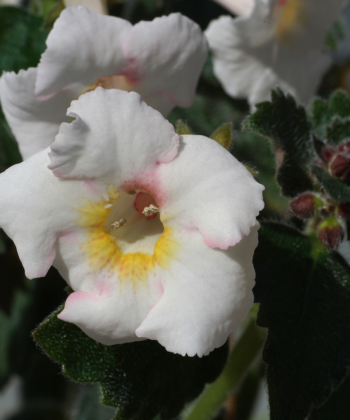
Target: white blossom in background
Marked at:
238, 7
161, 60
98, 6
280, 43
154, 232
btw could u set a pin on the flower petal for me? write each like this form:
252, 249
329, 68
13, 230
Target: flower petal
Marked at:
34, 123
207, 294
83, 46
33, 208
296, 64
114, 135
166, 57
206, 188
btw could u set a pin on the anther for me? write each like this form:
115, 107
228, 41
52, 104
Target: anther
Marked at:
105, 197
150, 210
107, 206
119, 224
132, 193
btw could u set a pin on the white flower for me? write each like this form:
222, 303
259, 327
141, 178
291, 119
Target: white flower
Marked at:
238, 7
182, 275
161, 60
279, 44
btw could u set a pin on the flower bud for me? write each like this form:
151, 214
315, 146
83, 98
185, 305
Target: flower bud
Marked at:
330, 233
344, 210
305, 205
340, 167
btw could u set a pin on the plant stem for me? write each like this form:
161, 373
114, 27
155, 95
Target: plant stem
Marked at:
238, 363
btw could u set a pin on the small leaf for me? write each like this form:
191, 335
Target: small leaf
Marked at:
324, 113
141, 379
337, 131
223, 135
337, 189
286, 125
304, 295
182, 128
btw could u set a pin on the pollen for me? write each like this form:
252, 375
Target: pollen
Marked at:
109, 248
119, 224
149, 211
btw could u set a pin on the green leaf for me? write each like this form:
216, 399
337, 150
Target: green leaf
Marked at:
337, 131
335, 35
22, 40
140, 379
304, 296
9, 152
223, 135
9, 325
89, 407
324, 114
286, 125
337, 407
182, 128
337, 189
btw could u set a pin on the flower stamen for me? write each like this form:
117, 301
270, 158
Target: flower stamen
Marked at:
119, 224
150, 210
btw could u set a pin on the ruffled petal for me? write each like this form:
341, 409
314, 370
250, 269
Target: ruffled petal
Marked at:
114, 135
166, 57
295, 63
82, 47
34, 123
34, 207
206, 188
207, 294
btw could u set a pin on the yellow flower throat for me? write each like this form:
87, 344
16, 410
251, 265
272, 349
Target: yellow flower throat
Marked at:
105, 250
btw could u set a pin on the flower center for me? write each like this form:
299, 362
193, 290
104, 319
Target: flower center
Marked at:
111, 82
134, 222
288, 16
125, 235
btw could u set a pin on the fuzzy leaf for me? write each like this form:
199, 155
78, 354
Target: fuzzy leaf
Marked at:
337, 131
324, 114
337, 189
223, 135
286, 125
304, 295
337, 407
140, 379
